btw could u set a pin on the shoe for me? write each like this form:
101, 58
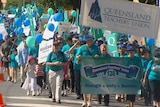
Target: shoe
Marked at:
21, 84
50, 95
65, 92
38, 93
62, 93
53, 100
84, 104
8, 78
59, 101
15, 81
33, 93
28, 93
89, 104
106, 104
78, 97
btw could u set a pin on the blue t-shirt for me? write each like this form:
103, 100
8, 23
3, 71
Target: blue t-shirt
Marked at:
33, 51
13, 62
54, 57
90, 51
153, 75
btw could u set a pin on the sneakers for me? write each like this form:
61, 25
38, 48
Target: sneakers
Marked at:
65, 92
8, 78
84, 104
39, 91
28, 93
33, 93
89, 104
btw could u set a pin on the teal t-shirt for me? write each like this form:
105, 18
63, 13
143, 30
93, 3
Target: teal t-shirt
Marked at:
33, 51
13, 62
54, 57
76, 66
145, 63
153, 75
66, 48
91, 51
123, 55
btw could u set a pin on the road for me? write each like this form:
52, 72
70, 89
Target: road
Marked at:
14, 96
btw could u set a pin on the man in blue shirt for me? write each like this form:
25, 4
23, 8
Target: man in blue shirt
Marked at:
22, 58
56, 60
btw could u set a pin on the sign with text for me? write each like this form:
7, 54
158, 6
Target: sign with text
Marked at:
110, 75
46, 46
121, 16
3, 30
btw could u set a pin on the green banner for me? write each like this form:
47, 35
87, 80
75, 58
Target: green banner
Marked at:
112, 43
112, 75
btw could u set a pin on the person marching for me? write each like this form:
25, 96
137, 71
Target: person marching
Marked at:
104, 53
56, 60
153, 75
88, 49
13, 65
131, 97
30, 83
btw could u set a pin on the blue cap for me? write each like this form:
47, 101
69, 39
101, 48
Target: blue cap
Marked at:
123, 46
130, 47
88, 37
81, 39
14, 49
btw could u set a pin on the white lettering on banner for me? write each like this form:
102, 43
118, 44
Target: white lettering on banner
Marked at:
111, 41
121, 16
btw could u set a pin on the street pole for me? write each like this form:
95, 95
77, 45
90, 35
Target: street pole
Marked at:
24, 2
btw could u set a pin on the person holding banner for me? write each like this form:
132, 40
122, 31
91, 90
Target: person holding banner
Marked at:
104, 53
153, 75
56, 60
89, 49
130, 97
146, 91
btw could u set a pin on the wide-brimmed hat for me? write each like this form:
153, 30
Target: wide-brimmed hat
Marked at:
30, 58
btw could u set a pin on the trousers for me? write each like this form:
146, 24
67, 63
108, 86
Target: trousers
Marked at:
55, 80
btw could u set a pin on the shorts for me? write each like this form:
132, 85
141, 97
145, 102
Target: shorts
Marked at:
6, 64
155, 89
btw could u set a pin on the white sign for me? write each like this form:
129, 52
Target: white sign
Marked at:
121, 16
3, 30
46, 46
63, 27
75, 29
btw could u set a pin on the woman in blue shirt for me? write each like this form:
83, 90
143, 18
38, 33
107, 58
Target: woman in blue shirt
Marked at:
89, 49
153, 72
146, 92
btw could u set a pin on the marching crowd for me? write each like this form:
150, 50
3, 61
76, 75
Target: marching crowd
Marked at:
62, 67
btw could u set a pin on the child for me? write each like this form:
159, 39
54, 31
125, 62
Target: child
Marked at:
39, 75
30, 83
13, 65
